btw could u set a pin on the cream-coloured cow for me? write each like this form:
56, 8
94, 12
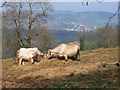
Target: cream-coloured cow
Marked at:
55, 52
65, 50
27, 54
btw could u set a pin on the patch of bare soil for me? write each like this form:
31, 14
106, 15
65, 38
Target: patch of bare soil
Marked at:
54, 70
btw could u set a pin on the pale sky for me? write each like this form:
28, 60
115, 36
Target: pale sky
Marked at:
78, 7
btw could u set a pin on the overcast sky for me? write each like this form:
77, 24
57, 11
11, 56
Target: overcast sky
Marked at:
93, 6
78, 7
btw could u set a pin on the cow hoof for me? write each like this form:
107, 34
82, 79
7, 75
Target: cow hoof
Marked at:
78, 59
32, 63
66, 60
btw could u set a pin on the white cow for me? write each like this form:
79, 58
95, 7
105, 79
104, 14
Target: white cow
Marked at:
27, 54
55, 52
65, 50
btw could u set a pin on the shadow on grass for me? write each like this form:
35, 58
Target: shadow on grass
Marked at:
98, 79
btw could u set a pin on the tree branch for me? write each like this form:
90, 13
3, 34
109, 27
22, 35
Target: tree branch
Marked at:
99, 1
112, 16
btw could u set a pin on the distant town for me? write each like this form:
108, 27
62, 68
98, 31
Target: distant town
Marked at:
73, 26
81, 27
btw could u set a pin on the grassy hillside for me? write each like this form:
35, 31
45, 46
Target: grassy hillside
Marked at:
96, 69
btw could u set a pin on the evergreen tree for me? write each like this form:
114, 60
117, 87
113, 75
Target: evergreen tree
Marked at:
81, 42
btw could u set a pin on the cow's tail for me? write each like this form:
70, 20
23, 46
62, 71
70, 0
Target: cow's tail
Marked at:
78, 55
78, 52
17, 57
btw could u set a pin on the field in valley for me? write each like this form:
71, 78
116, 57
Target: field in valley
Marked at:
96, 69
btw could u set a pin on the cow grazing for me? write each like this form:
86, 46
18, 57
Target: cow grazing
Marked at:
55, 52
70, 50
65, 50
29, 54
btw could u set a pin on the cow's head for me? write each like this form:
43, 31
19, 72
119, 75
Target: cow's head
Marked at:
51, 54
47, 56
49, 51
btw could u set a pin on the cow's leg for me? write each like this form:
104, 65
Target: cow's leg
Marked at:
32, 60
20, 61
23, 62
66, 57
78, 55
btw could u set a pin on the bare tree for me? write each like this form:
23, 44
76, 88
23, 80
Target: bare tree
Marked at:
44, 8
24, 15
13, 14
107, 37
112, 16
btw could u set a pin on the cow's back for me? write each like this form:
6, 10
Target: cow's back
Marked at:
71, 50
74, 43
59, 47
26, 53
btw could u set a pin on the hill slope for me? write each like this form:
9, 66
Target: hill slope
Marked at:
96, 69
65, 19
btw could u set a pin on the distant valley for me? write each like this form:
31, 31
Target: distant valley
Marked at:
77, 21
69, 26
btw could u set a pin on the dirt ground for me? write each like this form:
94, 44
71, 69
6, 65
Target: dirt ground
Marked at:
54, 70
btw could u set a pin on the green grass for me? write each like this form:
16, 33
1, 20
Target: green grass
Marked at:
95, 51
58, 85
89, 52
8, 63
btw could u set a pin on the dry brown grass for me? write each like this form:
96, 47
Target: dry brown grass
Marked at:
55, 70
